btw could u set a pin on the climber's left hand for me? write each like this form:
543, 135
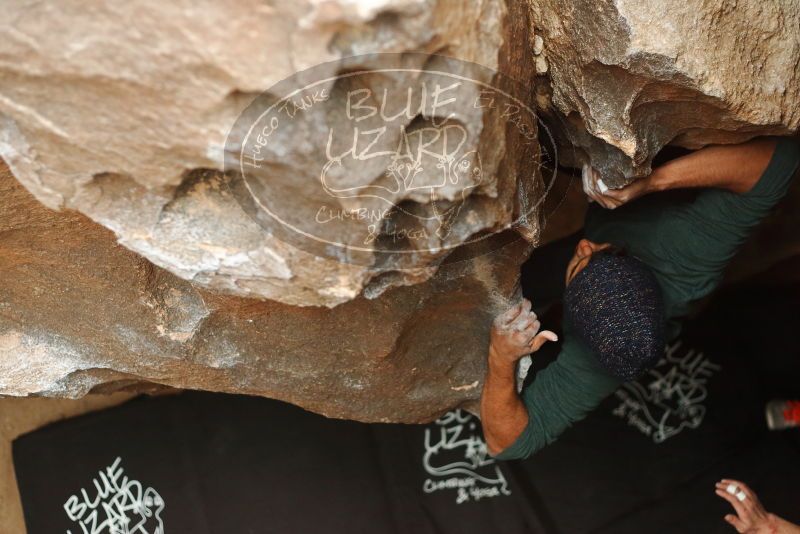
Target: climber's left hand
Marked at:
599, 192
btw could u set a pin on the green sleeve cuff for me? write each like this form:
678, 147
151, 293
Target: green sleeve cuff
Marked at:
523, 447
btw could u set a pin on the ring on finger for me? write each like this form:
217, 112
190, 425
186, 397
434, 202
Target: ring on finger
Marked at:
732, 489
741, 496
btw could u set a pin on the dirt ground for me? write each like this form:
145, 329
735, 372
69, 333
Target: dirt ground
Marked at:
21, 415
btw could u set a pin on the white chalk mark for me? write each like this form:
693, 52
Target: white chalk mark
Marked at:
465, 387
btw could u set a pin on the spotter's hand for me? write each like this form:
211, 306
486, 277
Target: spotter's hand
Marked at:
515, 333
750, 517
599, 192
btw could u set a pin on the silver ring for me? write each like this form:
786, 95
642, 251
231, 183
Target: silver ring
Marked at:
741, 496
732, 489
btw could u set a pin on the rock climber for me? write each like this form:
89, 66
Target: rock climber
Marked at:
635, 275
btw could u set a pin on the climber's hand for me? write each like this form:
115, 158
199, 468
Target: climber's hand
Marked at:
750, 517
599, 192
515, 333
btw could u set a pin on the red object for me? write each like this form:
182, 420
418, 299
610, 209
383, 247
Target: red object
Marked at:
792, 411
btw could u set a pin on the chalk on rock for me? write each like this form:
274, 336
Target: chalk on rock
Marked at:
538, 44
541, 65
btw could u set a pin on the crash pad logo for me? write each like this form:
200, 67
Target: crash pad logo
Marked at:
117, 504
386, 154
670, 397
457, 460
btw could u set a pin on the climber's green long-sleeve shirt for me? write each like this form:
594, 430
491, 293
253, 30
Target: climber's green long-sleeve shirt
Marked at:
687, 245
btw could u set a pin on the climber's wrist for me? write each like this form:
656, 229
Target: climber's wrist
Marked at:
501, 364
661, 179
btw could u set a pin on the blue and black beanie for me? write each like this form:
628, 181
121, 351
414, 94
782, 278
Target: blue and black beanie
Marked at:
615, 306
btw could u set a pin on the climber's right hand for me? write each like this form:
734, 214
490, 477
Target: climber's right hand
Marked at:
599, 192
515, 333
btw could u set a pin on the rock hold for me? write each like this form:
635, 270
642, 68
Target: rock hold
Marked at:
629, 77
141, 142
79, 313
110, 112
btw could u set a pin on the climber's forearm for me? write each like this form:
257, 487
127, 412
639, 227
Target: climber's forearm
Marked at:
733, 167
503, 415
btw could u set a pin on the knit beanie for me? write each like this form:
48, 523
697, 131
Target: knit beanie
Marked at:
615, 306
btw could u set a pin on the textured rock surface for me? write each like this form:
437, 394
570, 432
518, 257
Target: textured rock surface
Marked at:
121, 110
79, 313
120, 113
628, 77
